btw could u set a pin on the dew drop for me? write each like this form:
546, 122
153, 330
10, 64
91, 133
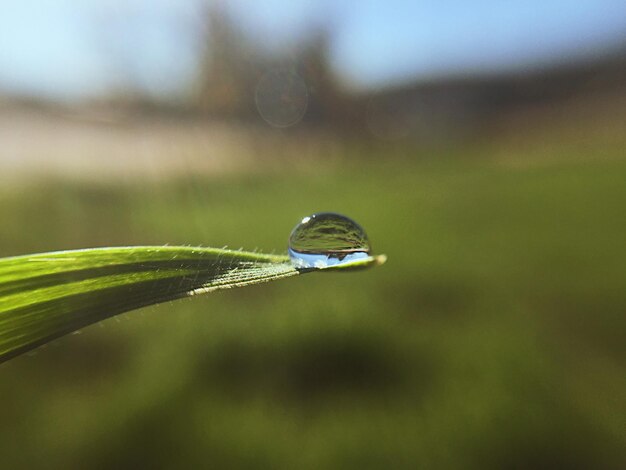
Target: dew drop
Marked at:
327, 239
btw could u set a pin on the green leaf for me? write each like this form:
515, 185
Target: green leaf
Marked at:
47, 295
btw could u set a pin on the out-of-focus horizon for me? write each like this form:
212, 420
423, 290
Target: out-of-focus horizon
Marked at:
103, 79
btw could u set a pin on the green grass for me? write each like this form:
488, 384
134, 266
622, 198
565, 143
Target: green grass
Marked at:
491, 339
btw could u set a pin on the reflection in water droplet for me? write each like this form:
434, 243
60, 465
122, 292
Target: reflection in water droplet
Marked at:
326, 239
281, 97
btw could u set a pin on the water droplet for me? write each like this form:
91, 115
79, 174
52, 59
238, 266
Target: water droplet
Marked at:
327, 239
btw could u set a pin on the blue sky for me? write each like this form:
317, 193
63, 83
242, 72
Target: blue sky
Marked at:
71, 49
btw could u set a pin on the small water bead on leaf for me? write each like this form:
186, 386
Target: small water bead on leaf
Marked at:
326, 240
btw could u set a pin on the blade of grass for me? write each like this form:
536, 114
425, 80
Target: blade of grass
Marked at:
48, 295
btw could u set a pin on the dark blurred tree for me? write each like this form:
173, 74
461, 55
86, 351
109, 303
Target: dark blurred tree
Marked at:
226, 73
329, 103
232, 64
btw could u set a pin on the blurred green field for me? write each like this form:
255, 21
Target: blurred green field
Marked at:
492, 338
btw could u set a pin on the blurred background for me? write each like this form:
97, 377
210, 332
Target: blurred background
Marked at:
481, 144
